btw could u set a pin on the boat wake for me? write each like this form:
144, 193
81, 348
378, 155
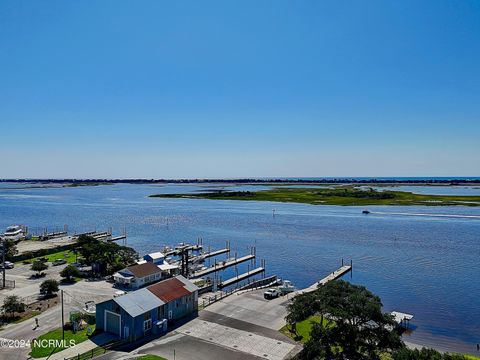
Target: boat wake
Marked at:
429, 215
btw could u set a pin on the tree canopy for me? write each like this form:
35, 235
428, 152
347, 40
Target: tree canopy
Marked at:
12, 304
49, 287
38, 266
10, 248
109, 255
69, 272
358, 328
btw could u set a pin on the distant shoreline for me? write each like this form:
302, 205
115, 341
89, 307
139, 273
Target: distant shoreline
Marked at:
333, 195
443, 181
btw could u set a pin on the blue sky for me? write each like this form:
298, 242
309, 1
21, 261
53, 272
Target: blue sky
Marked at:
159, 89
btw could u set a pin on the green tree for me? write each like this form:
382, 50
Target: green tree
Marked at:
107, 255
10, 248
69, 272
302, 307
49, 287
38, 266
360, 329
12, 304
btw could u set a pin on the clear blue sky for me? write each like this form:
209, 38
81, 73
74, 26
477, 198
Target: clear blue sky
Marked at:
239, 88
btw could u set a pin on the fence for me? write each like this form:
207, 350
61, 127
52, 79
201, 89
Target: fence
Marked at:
99, 350
89, 354
260, 283
9, 284
217, 297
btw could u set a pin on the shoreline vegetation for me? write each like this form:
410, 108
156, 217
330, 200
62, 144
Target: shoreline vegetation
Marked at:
344, 195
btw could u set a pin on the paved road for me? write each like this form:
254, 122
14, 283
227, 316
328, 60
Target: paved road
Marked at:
187, 348
75, 297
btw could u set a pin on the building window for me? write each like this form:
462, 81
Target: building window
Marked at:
147, 321
147, 325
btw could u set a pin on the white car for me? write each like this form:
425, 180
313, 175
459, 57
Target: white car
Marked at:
8, 265
271, 294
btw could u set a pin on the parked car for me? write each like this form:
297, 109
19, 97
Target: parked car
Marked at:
8, 265
271, 294
59, 262
44, 259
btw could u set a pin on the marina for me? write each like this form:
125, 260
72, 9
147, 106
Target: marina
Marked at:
408, 249
241, 277
222, 265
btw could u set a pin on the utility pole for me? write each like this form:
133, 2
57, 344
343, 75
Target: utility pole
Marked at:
3, 263
63, 322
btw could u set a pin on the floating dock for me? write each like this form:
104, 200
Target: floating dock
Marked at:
222, 265
215, 253
240, 277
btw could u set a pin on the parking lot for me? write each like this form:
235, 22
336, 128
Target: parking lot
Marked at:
241, 326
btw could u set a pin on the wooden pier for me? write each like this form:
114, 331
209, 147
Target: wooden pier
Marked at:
222, 265
332, 276
240, 277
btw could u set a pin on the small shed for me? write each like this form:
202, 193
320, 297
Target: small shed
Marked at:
157, 258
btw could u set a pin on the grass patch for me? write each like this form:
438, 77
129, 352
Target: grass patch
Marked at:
151, 357
78, 337
340, 195
67, 255
304, 328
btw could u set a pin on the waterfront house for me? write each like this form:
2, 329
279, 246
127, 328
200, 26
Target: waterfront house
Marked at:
136, 276
147, 311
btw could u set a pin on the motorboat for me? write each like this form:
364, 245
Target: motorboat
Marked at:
15, 233
286, 287
365, 212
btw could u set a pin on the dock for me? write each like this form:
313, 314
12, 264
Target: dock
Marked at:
222, 265
332, 276
215, 253
115, 238
240, 277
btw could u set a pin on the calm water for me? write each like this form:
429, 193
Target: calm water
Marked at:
425, 265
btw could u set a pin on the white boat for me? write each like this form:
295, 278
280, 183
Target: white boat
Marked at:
15, 233
286, 287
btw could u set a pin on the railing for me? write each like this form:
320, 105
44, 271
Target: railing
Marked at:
217, 297
89, 354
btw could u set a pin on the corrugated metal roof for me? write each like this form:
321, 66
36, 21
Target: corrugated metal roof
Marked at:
138, 302
188, 284
170, 289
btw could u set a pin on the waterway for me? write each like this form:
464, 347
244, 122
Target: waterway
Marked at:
425, 265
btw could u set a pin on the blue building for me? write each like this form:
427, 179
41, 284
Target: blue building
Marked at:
157, 258
148, 311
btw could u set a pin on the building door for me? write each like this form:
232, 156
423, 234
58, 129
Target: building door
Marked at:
112, 323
